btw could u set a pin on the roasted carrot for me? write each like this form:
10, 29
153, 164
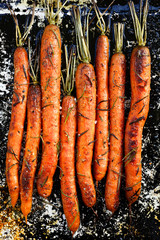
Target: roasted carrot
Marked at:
140, 75
86, 104
32, 143
67, 153
50, 71
117, 76
101, 68
20, 92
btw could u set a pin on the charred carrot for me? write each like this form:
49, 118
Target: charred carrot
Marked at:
140, 75
86, 104
20, 92
117, 76
67, 153
50, 71
102, 107
32, 144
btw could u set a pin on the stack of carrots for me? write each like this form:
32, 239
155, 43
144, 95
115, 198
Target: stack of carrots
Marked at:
97, 115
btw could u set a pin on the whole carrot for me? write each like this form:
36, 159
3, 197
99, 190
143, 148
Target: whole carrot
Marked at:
140, 75
86, 104
67, 153
20, 92
117, 75
101, 133
50, 71
32, 144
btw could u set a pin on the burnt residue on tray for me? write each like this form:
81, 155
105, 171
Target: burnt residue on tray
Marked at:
47, 220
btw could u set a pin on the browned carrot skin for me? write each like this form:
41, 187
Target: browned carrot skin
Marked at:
116, 95
21, 83
140, 77
67, 163
31, 148
101, 136
86, 98
140, 72
50, 70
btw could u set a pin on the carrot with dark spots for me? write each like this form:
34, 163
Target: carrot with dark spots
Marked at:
102, 108
32, 143
86, 105
50, 71
67, 153
19, 101
118, 72
140, 74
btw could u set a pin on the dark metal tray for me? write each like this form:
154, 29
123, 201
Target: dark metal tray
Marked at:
47, 220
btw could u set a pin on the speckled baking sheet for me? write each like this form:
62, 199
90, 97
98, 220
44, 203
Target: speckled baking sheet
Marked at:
47, 220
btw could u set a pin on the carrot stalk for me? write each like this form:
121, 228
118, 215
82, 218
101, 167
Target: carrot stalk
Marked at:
140, 76
117, 76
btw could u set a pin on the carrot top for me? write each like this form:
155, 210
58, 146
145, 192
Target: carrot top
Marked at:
101, 23
52, 17
118, 35
20, 39
33, 69
68, 85
140, 25
82, 39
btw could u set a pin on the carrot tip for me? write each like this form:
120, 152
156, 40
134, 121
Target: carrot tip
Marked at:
97, 184
25, 219
130, 214
13, 203
74, 233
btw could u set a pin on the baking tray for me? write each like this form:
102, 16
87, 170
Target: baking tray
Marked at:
47, 220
